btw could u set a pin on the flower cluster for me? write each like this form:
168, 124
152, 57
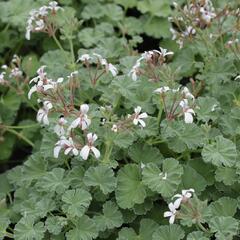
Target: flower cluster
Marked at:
100, 61
42, 82
180, 199
137, 118
153, 59
38, 20
198, 14
173, 99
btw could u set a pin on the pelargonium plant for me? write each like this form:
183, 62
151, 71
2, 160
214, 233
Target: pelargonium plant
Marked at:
144, 146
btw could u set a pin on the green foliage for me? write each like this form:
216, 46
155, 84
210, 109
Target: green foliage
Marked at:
181, 150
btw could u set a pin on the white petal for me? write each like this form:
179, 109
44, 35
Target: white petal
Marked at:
56, 151
135, 121
75, 151
171, 207
142, 122
84, 108
45, 119
75, 123
177, 203
137, 109
96, 152
188, 118
67, 150
167, 214
48, 86
31, 91
171, 219
143, 115
85, 152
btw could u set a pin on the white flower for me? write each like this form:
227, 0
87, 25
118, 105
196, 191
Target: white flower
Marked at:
138, 117
162, 90
135, 71
89, 147
189, 31
67, 145
53, 6
164, 52
84, 58
59, 128
2, 80
186, 194
188, 112
112, 69
40, 25
42, 83
42, 114
172, 213
114, 128
16, 72
186, 93
82, 121
4, 66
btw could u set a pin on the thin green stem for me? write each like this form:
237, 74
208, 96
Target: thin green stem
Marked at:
22, 127
72, 51
20, 136
58, 43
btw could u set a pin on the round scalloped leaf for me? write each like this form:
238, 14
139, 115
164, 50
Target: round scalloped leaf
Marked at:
221, 151
111, 218
224, 227
224, 206
53, 181
85, 229
26, 229
166, 181
54, 224
197, 235
226, 175
101, 176
76, 202
127, 234
151, 154
130, 189
168, 232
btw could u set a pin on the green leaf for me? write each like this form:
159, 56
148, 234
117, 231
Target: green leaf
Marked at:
111, 218
30, 64
55, 224
4, 222
192, 179
166, 181
26, 229
224, 227
181, 136
147, 228
53, 181
85, 229
151, 154
197, 235
76, 202
127, 234
156, 27
221, 151
226, 175
168, 232
127, 3
100, 176
130, 189
56, 69
207, 108
155, 7
224, 206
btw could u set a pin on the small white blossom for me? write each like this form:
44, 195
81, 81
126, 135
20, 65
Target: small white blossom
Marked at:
138, 118
53, 6
188, 112
135, 71
91, 138
59, 128
172, 213
2, 79
42, 114
183, 197
164, 52
82, 121
112, 69
162, 90
67, 145
114, 128
84, 58
16, 72
4, 67
186, 93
